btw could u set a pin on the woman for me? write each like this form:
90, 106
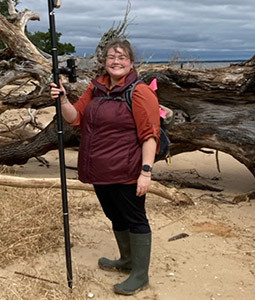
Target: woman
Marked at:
116, 155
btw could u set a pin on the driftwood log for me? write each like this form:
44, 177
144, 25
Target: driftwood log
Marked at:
213, 108
172, 194
217, 109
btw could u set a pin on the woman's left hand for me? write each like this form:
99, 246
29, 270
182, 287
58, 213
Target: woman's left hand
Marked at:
143, 184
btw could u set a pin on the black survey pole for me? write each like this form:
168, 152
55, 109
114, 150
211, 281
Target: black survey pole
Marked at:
55, 71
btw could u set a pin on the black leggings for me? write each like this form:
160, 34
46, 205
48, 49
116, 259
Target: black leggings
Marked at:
121, 205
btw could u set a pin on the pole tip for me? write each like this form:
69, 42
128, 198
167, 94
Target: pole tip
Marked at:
70, 285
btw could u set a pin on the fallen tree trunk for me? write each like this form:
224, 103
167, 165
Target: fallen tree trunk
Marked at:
187, 179
217, 109
172, 194
21, 151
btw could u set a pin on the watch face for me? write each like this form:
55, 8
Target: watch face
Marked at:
146, 168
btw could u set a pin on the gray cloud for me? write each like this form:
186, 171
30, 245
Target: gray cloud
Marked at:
207, 29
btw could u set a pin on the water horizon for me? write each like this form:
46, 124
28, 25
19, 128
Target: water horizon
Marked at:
193, 61
196, 64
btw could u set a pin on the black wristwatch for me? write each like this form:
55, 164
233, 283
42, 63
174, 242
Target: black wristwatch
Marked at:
146, 168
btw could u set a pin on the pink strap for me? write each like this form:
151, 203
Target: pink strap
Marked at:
153, 85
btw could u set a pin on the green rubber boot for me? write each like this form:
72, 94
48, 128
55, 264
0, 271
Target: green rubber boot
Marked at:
124, 262
140, 252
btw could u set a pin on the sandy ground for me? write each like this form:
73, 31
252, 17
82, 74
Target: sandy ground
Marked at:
215, 261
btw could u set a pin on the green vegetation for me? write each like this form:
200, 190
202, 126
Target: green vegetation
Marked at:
42, 40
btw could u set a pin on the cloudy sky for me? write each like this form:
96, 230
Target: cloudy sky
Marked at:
163, 29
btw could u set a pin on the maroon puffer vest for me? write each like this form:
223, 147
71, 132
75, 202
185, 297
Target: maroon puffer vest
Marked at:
109, 151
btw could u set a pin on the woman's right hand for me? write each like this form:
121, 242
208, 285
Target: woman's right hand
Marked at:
68, 110
55, 91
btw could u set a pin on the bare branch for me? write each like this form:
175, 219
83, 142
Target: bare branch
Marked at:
24, 17
11, 8
19, 44
123, 26
20, 19
11, 76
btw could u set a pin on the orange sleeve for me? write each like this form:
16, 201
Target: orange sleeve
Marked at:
145, 108
81, 104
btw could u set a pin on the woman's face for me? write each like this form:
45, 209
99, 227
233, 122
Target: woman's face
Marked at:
117, 63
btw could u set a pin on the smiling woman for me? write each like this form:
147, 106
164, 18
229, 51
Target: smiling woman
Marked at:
116, 155
118, 62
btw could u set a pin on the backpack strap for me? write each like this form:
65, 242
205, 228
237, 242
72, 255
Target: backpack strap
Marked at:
164, 152
128, 94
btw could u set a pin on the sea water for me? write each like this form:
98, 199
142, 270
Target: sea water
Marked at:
203, 65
